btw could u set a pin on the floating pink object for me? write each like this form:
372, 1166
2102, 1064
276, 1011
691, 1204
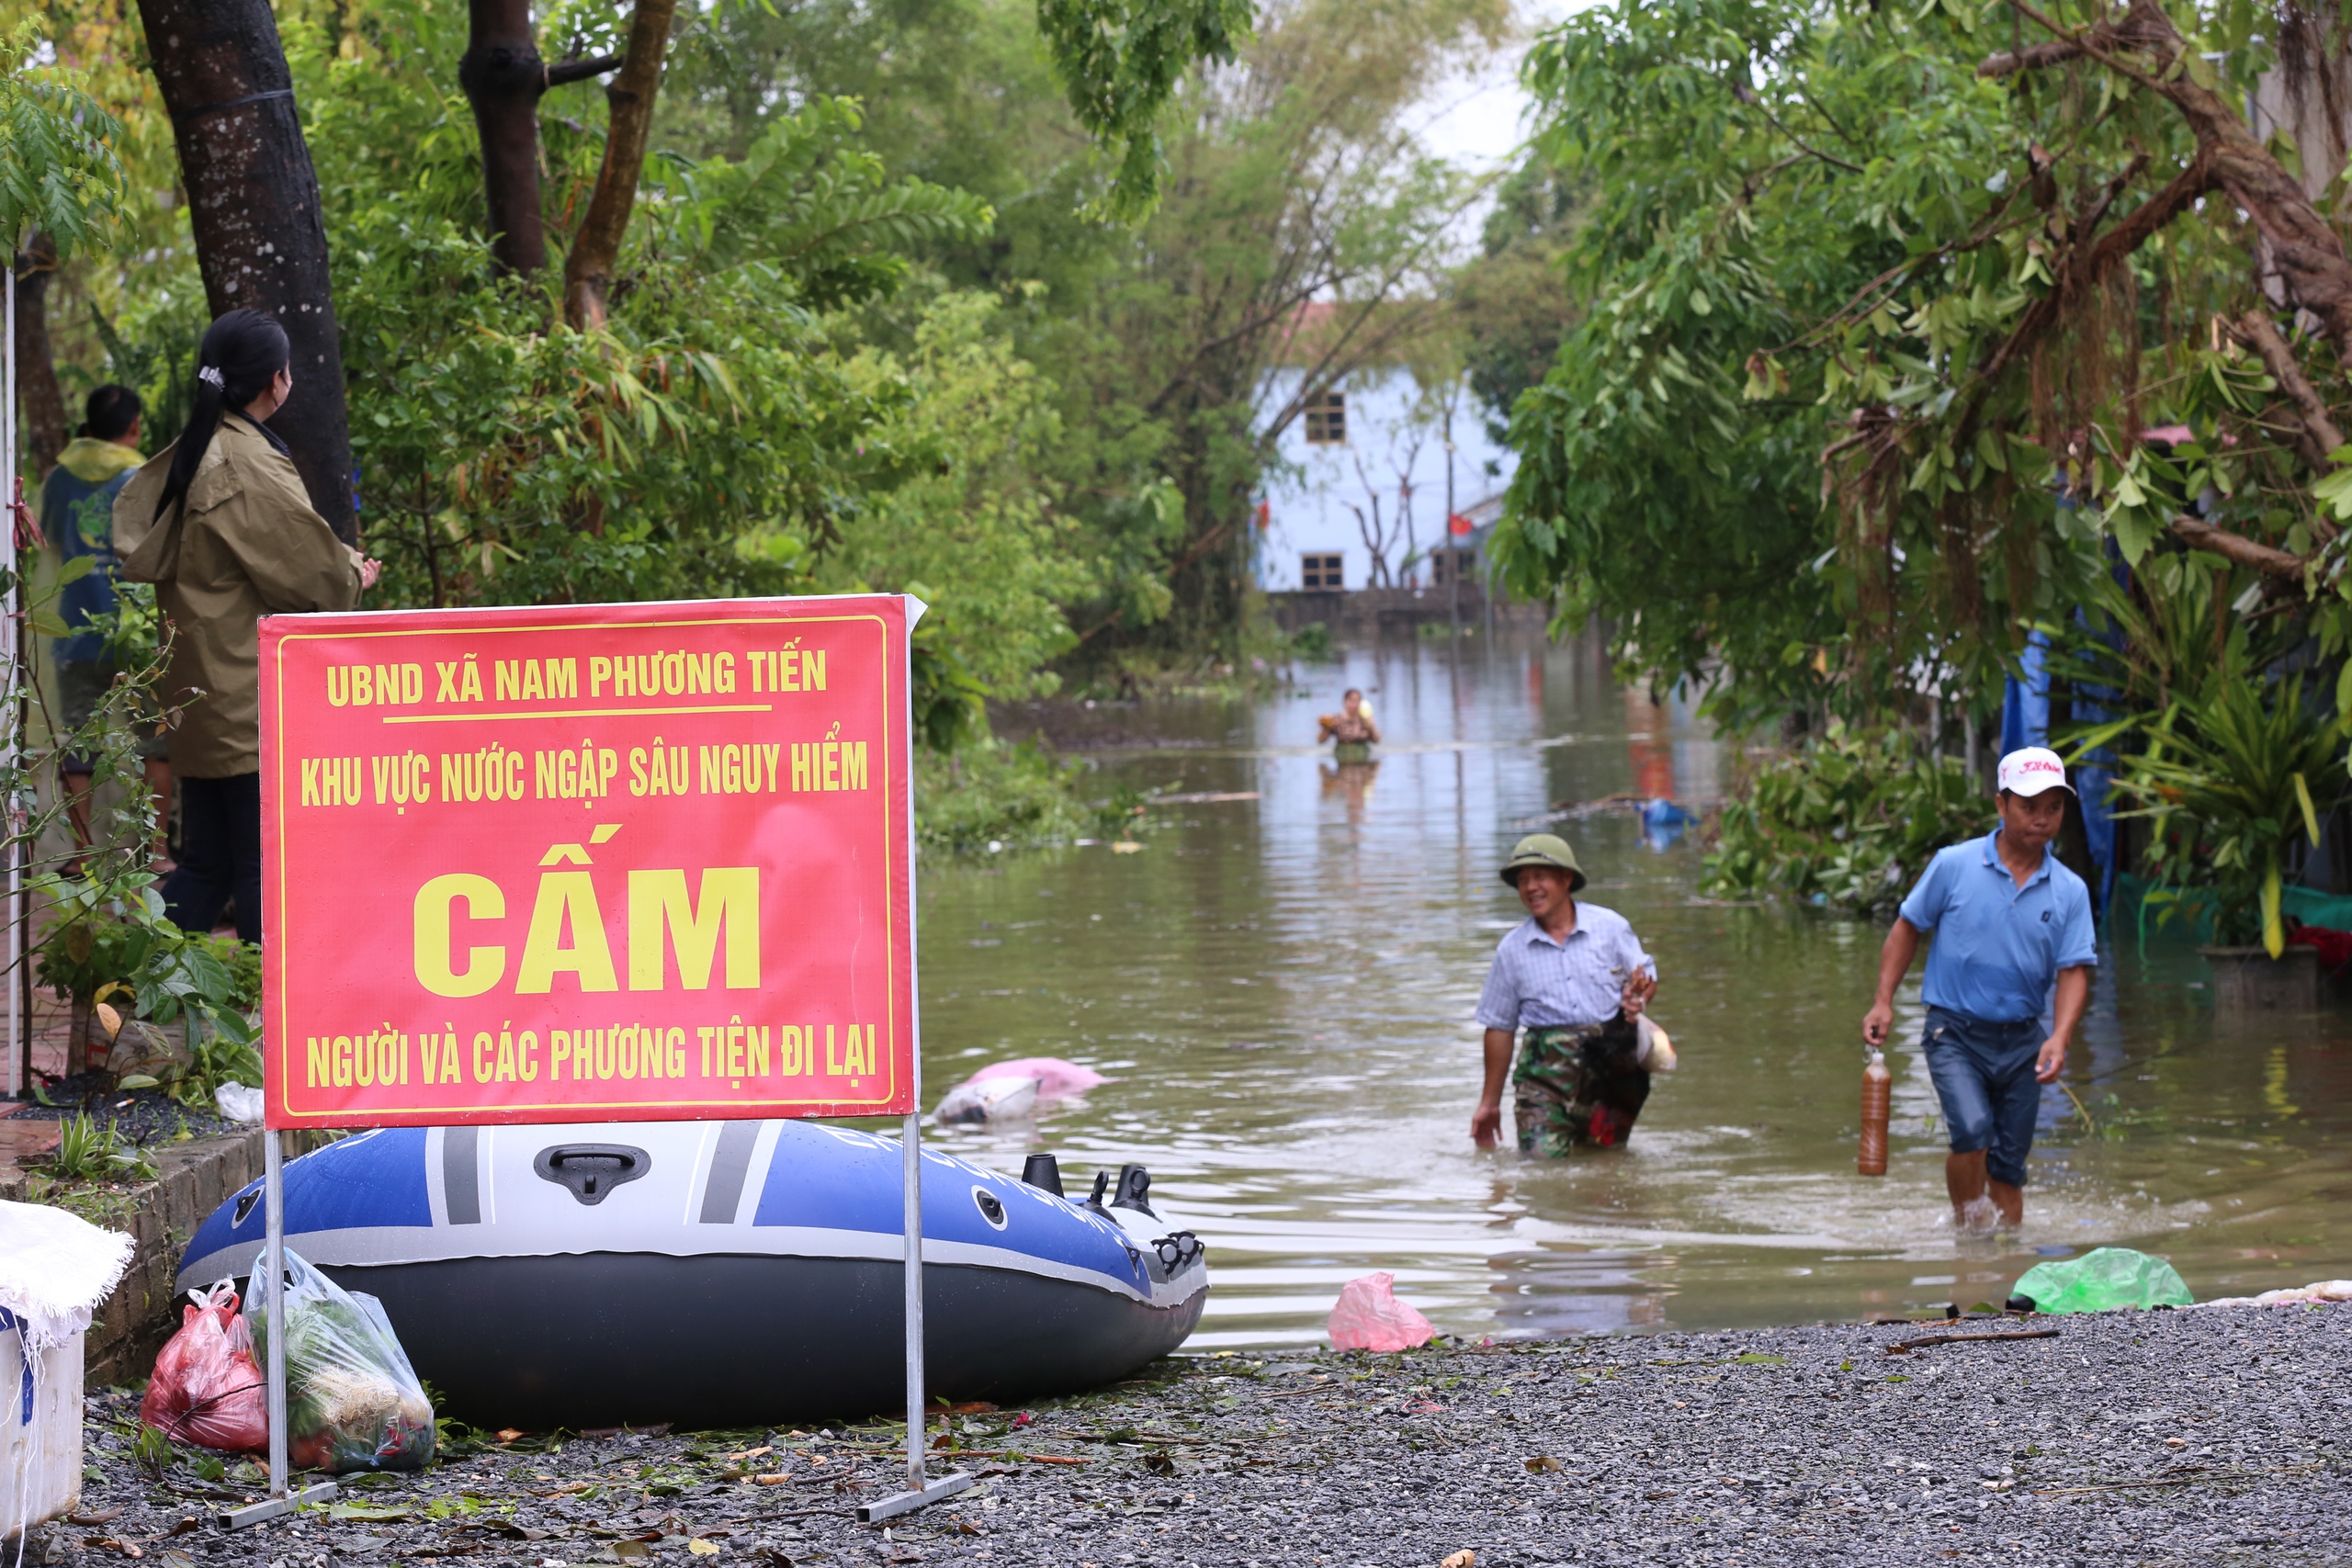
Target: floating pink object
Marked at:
1056, 1078
1370, 1317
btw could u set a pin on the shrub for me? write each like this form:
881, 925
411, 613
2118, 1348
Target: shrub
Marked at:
1848, 821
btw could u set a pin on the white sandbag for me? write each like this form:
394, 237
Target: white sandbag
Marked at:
989, 1100
56, 1268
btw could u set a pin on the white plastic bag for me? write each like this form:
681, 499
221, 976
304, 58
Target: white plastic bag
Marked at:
238, 1102
352, 1401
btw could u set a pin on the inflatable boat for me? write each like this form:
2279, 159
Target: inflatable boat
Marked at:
715, 1274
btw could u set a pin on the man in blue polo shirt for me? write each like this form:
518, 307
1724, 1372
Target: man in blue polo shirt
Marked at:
2006, 984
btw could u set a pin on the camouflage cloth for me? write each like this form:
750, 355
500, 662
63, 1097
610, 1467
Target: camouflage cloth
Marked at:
1578, 1084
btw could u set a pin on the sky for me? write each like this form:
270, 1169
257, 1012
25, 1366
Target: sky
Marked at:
1477, 119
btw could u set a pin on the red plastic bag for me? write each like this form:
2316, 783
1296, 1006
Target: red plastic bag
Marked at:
207, 1389
1370, 1317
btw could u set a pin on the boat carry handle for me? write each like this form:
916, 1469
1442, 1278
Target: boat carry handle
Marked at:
590, 1171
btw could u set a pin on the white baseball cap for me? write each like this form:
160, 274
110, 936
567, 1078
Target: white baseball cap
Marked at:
2030, 770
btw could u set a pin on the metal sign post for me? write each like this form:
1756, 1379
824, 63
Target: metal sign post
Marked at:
821, 802
917, 1494
271, 1277
19, 1072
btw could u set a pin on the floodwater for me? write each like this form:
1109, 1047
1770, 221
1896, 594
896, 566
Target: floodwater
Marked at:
1281, 990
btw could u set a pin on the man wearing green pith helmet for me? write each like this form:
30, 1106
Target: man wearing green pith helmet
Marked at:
1574, 976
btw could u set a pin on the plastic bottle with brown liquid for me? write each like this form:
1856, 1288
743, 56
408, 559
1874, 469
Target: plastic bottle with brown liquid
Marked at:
1878, 1098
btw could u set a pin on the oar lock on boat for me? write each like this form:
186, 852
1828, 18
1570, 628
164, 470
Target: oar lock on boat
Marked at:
1132, 1192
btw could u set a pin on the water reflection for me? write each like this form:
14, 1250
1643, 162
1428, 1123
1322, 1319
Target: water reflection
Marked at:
1279, 988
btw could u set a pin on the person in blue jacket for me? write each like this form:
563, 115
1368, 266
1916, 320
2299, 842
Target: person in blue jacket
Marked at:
2007, 982
77, 513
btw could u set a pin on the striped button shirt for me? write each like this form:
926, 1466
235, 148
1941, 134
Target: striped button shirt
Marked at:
1537, 982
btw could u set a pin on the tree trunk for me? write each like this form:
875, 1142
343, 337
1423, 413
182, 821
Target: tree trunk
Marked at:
36, 386
254, 201
503, 76
596, 248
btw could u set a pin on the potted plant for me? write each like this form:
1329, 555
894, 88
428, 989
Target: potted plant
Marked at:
2226, 778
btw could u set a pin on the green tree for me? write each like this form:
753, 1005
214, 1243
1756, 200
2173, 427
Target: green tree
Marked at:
1513, 298
1878, 305
977, 534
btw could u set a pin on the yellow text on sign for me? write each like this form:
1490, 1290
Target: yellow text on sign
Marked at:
715, 929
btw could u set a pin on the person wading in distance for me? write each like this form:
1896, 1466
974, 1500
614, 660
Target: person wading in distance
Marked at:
220, 522
1575, 977
2007, 982
1351, 732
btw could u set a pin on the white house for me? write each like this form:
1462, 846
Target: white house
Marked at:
1360, 498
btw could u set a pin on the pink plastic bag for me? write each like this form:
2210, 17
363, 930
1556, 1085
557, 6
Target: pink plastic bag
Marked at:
1370, 1317
207, 1390
1056, 1078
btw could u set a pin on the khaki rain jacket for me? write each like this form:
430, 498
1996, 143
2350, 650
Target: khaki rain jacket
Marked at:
245, 543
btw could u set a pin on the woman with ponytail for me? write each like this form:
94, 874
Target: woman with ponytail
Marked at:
220, 522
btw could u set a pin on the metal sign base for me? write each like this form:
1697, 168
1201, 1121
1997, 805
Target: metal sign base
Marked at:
271, 1507
899, 1503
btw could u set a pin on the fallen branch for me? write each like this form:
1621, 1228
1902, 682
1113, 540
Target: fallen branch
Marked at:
1904, 1346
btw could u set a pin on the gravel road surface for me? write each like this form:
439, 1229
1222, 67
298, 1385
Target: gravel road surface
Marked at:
2205, 1437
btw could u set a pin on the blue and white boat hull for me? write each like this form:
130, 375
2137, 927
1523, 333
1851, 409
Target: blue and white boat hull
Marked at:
715, 1273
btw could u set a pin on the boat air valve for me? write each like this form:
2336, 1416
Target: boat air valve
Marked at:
1044, 1172
590, 1171
1175, 1248
1134, 1190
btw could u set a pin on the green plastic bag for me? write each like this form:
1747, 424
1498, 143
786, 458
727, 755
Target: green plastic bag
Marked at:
2097, 1281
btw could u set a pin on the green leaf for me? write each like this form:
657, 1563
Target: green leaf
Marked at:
2310, 817
2274, 931
2335, 491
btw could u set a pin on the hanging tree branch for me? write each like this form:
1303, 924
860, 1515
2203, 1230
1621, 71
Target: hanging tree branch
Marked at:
2319, 437
2309, 255
2200, 534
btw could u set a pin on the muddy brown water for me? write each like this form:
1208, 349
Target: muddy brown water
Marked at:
1279, 988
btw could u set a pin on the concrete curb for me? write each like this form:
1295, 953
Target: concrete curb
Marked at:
193, 1179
